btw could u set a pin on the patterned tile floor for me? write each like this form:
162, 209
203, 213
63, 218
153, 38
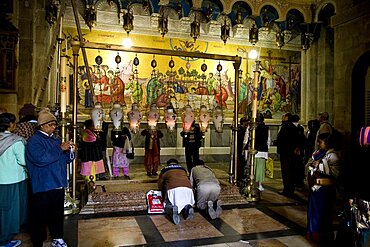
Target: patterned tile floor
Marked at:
273, 221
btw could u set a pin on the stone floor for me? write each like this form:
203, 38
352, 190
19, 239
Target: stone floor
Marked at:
273, 221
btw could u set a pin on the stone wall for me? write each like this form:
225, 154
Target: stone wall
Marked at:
352, 39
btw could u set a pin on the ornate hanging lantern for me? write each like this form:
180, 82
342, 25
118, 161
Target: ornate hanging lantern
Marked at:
203, 118
187, 118
97, 116
280, 39
253, 34
116, 115
170, 119
305, 41
90, 16
153, 63
134, 118
218, 119
51, 11
225, 32
128, 21
153, 116
118, 60
195, 29
163, 25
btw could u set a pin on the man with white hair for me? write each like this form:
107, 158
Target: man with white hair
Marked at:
325, 126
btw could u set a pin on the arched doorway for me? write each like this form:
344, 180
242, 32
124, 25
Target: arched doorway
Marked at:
360, 111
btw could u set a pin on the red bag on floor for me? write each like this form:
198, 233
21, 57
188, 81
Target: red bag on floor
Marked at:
155, 202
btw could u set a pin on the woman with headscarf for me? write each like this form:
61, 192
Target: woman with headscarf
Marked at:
13, 184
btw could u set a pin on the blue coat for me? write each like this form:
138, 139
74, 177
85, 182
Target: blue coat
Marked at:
46, 162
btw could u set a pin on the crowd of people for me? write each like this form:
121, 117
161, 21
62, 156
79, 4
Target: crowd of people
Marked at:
33, 175
30, 152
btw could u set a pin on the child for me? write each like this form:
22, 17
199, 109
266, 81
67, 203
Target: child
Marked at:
90, 152
121, 141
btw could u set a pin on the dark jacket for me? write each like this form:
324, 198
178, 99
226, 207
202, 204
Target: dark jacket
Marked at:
262, 134
46, 162
193, 138
147, 135
287, 139
173, 176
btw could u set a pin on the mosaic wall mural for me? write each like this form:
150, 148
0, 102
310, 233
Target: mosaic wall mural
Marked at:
145, 79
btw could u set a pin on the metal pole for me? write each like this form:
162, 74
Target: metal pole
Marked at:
232, 170
250, 190
75, 49
82, 48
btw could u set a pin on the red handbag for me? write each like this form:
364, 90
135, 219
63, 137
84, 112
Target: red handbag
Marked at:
155, 202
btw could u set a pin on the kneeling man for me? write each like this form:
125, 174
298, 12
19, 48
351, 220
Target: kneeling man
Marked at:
177, 191
207, 189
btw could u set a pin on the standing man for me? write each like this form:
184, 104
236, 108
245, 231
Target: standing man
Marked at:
177, 191
207, 189
192, 141
242, 145
46, 159
288, 148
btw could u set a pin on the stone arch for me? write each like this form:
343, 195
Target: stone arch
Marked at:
306, 16
278, 10
229, 6
322, 5
358, 80
104, 6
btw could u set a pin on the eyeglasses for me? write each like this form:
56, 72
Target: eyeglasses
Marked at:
52, 125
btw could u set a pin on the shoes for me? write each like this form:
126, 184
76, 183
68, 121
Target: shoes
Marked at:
155, 174
59, 242
175, 215
126, 177
189, 212
211, 210
148, 174
261, 188
13, 243
103, 178
218, 208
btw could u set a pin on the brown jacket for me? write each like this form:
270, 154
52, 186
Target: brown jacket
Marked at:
171, 177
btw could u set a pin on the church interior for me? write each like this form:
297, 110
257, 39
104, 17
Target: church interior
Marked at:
143, 64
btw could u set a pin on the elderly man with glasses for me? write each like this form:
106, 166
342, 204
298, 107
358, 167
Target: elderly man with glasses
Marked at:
46, 159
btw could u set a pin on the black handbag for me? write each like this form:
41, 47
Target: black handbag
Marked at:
131, 155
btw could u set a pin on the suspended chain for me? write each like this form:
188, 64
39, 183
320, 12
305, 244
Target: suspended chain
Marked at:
41, 89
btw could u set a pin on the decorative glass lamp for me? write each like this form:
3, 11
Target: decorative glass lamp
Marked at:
97, 116
153, 116
187, 118
218, 119
116, 115
203, 118
171, 119
134, 118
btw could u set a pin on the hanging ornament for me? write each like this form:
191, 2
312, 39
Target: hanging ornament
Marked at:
218, 119
116, 115
187, 118
171, 64
134, 117
203, 118
118, 60
97, 116
219, 67
153, 63
136, 61
153, 116
171, 119
98, 60
203, 67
